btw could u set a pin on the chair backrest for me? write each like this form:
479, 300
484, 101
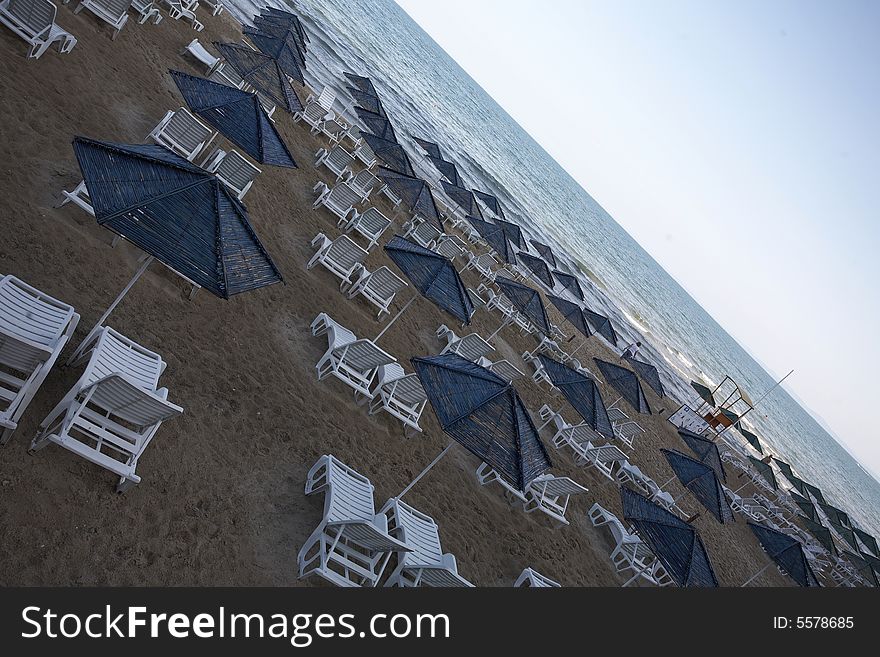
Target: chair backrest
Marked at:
374, 221
117, 8
326, 98
314, 113
30, 315
365, 181
505, 370
186, 131
363, 355
449, 249
339, 157
345, 253
343, 196
349, 494
472, 346
34, 16
427, 232
408, 389
236, 171
116, 354
487, 261
556, 486
364, 153
227, 75
608, 454
384, 283
131, 403
419, 532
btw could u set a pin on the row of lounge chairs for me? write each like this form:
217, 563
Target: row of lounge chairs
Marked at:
113, 411
353, 545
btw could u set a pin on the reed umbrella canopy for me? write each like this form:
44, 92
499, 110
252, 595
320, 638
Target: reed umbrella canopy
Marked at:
263, 73
786, 552
626, 383
527, 300
414, 192
703, 483
582, 393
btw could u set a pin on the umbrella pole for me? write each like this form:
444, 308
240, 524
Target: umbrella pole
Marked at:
425, 471
97, 327
578, 349
756, 574
506, 322
388, 325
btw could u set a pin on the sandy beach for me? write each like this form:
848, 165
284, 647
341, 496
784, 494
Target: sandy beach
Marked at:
221, 501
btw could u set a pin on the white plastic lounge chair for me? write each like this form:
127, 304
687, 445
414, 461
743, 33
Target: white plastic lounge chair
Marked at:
505, 307
629, 552
354, 363
114, 12
378, 287
340, 199
401, 395
627, 432
425, 564
216, 6
179, 9
34, 328
505, 369
578, 437
325, 99
422, 233
471, 346
353, 134
236, 172
351, 545
182, 133
363, 183
333, 127
114, 410
337, 160
314, 115
616, 415
483, 265
550, 495
147, 10
342, 257
605, 458
201, 54
227, 75
487, 475
540, 375
34, 21
530, 578
366, 155
371, 224
449, 248
79, 196
388, 193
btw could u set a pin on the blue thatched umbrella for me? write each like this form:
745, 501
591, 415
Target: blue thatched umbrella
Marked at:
545, 252
675, 543
582, 393
287, 17
702, 481
649, 373
282, 46
706, 451
626, 383
496, 238
376, 124
821, 534
177, 213
263, 73
490, 202
602, 326
527, 300
463, 198
575, 315
786, 552
514, 232
483, 413
238, 115
368, 101
863, 567
538, 267
867, 540
806, 506
362, 83
415, 194
572, 284
429, 147
448, 169
279, 28
766, 471
433, 275
390, 153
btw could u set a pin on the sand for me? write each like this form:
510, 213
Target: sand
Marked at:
221, 502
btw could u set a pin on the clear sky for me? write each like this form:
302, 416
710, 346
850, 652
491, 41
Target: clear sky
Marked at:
752, 126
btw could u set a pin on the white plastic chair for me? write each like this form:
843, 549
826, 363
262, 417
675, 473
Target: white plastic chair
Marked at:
201, 54
337, 160
425, 564
182, 133
551, 495
530, 578
113, 12
422, 233
34, 21
378, 287
364, 183
372, 224
339, 199
351, 545
114, 410
400, 395
34, 328
147, 10
471, 346
234, 171
342, 257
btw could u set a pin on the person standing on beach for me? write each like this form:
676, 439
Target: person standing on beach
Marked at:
632, 350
